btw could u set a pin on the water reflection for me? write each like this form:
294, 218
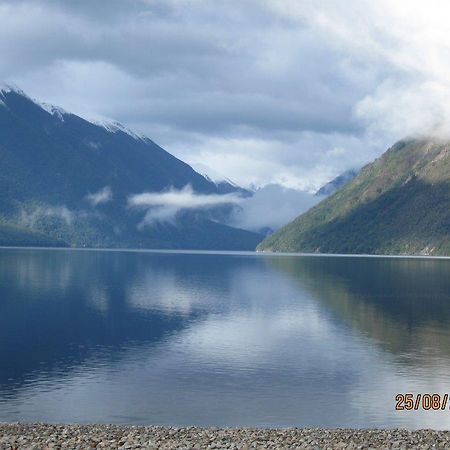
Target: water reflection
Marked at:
202, 339
403, 304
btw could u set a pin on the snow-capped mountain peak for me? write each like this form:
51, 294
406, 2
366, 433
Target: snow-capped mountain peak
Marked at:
113, 127
6, 88
223, 184
110, 125
53, 110
9, 87
211, 174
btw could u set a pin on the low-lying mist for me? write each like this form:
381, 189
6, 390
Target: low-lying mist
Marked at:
271, 207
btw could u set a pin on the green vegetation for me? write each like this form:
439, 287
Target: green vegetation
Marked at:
12, 236
50, 165
399, 204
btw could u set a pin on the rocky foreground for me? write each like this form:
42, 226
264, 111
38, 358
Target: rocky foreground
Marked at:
40, 437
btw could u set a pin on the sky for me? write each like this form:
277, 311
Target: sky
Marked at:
266, 92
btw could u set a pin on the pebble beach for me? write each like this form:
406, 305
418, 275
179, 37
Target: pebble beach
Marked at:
44, 436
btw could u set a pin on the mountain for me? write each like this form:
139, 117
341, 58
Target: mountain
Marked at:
13, 236
70, 180
224, 185
399, 204
333, 185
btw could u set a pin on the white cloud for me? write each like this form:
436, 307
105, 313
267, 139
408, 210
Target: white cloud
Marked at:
183, 198
272, 207
163, 206
178, 72
263, 92
405, 43
103, 195
259, 162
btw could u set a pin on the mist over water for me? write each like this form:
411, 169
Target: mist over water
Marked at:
221, 339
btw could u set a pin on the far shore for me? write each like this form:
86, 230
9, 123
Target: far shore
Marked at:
19, 436
262, 253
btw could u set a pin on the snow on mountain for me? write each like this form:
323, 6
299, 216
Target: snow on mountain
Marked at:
223, 184
6, 87
108, 124
212, 175
56, 111
53, 110
60, 169
113, 127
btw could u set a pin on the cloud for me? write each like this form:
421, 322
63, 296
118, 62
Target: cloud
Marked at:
269, 208
278, 91
262, 161
405, 46
272, 207
183, 198
177, 71
104, 195
163, 206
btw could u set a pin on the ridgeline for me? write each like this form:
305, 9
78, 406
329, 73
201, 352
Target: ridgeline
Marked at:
397, 205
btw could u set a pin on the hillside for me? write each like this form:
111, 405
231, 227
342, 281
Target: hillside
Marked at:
71, 180
399, 204
333, 185
12, 236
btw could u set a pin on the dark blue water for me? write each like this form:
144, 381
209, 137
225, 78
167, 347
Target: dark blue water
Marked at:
220, 339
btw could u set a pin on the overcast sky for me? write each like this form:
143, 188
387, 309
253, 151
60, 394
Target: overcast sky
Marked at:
264, 91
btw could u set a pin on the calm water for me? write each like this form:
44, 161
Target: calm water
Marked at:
220, 339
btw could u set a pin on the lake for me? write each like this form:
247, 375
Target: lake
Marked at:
221, 339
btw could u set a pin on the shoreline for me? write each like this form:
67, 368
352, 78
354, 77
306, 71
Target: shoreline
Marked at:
39, 436
259, 253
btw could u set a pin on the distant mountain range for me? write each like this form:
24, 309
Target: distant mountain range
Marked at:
399, 204
67, 181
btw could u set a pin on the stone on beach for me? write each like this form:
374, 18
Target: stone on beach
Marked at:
20, 436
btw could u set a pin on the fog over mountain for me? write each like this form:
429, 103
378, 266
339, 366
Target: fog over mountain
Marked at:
69, 181
271, 207
280, 96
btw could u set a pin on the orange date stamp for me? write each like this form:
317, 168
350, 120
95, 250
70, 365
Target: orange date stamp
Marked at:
426, 402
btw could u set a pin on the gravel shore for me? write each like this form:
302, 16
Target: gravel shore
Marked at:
42, 436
